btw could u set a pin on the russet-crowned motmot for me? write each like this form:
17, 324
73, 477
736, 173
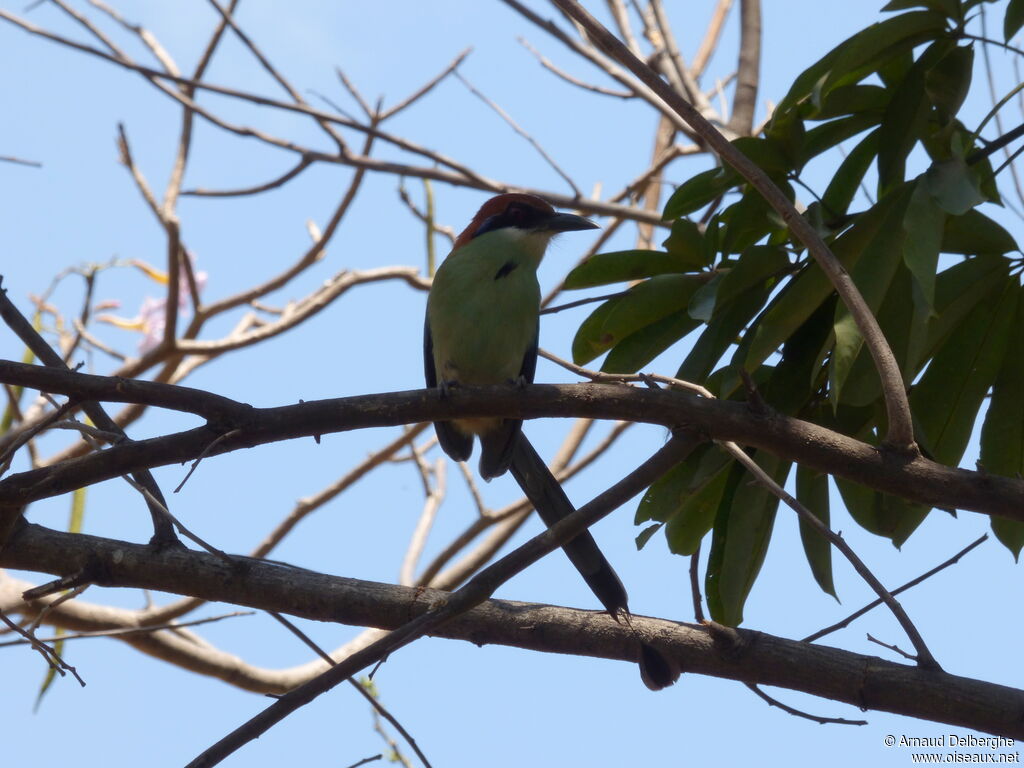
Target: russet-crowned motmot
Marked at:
481, 329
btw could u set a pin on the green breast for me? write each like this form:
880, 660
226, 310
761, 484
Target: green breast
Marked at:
483, 311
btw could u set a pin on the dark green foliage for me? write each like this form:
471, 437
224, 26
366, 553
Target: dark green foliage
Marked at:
941, 276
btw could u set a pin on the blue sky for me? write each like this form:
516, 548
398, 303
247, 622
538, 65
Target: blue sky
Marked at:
465, 705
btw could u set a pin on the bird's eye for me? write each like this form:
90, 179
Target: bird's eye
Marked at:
515, 214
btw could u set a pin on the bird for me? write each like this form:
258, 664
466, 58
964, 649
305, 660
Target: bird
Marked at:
482, 329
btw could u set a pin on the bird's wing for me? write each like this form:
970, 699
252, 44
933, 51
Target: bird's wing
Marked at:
457, 445
496, 446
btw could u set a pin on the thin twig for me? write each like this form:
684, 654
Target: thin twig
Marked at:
304, 162
53, 659
427, 87
698, 603
798, 713
518, 129
362, 691
128, 631
582, 302
203, 455
474, 490
912, 583
20, 161
548, 65
711, 37
228, 18
894, 649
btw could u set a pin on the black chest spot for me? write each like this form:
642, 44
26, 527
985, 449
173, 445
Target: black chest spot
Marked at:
506, 270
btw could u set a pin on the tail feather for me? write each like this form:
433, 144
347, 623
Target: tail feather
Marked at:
458, 445
546, 494
497, 447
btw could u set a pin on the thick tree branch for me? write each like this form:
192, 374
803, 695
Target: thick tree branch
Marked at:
479, 589
754, 657
915, 478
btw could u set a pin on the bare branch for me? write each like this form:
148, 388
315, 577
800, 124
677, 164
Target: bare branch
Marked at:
516, 127
407, 573
426, 88
547, 64
711, 37
20, 161
304, 162
748, 70
798, 713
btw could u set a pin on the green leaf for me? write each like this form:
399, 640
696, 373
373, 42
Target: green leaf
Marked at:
870, 48
51, 672
905, 119
955, 185
749, 220
687, 244
1013, 20
863, 53
740, 296
14, 396
950, 392
803, 295
855, 100
826, 136
840, 191
1010, 533
702, 304
637, 308
786, 131
948, 82
742, 530
698, 191
923, 226
892, 72
662, 499
812, 492
950, 8
958, 290
1002, 434
75, 522
645, 535
701, 189
880, 513
622, 266
666, 495
904, 322
696, 512
641, 347
800, 376
975, 233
